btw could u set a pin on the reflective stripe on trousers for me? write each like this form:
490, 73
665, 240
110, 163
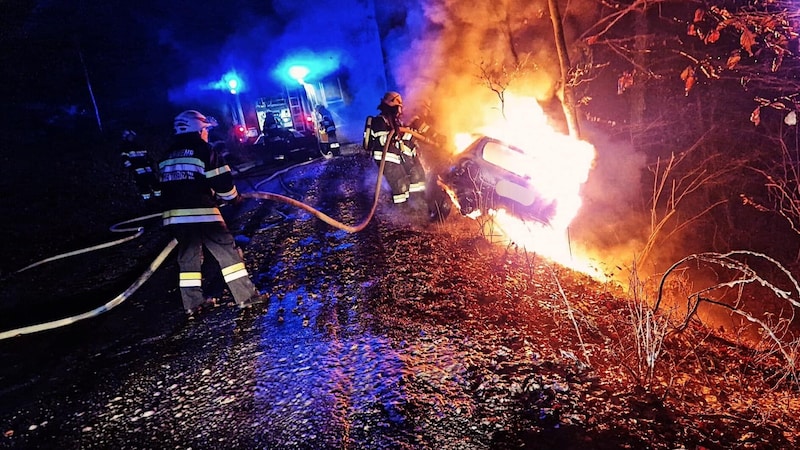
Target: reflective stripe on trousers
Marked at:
217, 239
400, 198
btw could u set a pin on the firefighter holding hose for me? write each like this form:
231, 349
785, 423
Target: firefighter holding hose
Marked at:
402, 169
193, 178
327, 128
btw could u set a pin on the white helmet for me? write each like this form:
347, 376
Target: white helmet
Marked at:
392, 98
192, 121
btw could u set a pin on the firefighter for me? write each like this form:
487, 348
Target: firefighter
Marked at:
194, 178
398, 161
436, 150
422, 124
327, 127
136, 159
412, 163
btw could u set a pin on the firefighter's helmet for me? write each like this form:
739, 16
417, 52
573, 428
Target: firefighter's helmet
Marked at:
392, 98
192, 121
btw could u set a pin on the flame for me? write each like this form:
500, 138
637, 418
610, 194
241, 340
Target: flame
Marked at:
560, 165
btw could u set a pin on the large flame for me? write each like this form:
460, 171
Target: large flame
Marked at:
560, 165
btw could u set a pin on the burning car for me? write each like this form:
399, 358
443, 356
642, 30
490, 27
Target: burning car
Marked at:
489, 175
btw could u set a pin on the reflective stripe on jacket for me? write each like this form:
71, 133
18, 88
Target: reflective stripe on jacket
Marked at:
193, 177
192, 215
380, 130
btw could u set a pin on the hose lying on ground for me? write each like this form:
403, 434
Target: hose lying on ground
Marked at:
114, 228
99, 310
278, 174
324, 217
171, 245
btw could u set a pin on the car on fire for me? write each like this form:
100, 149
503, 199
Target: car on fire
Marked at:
488, 175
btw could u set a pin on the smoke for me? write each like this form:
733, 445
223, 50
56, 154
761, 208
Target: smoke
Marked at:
609, 228
439, 60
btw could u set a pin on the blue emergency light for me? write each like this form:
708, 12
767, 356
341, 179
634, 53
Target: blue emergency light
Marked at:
299, 73
233, 82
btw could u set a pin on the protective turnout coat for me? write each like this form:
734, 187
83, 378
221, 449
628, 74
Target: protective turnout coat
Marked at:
193, 178
136, 159
394, 169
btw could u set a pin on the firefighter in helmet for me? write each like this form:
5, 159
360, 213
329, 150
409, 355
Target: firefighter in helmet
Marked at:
327, 127
136, 159
194, 177
423, 124
399, 151
412, 162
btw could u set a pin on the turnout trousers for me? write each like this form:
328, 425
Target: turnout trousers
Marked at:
215, 237
395, 174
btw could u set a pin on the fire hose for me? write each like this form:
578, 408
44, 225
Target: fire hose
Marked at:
114, 228
171, 246
321, 215
113, 302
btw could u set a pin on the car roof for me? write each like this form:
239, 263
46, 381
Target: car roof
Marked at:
501, 155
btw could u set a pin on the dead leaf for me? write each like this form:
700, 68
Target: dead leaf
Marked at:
733, 60
624, 82
687, 72
755, 116
688, 76
748, 40
790, 119
712, 37
699, 14
690, 82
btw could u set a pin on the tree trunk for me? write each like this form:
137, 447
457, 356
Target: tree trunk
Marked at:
637, 91
568, 102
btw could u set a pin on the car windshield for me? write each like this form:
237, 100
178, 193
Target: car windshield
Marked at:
508, 158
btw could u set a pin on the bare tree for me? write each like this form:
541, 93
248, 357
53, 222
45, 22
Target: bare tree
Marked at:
569, 103
751, 43
781, 178
675, 180
497, 76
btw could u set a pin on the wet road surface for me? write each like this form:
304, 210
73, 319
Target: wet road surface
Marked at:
313, 368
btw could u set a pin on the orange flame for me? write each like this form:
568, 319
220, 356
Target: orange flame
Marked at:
560, 166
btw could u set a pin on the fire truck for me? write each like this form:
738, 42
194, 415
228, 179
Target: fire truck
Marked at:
286, 124
292, 111
286, 127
